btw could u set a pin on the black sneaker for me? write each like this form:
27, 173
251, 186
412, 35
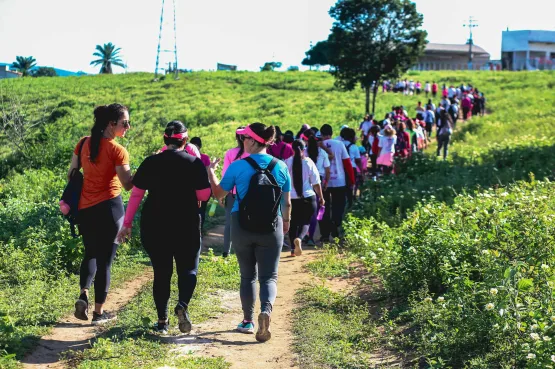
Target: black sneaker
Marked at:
81, 310
161, 328
105, 317
185, 324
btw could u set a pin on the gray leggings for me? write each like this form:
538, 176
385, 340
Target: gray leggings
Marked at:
229, 201
258, 256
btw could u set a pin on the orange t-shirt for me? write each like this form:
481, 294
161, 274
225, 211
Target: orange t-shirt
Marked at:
101, 182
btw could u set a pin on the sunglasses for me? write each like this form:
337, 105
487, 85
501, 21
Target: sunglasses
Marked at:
126, 123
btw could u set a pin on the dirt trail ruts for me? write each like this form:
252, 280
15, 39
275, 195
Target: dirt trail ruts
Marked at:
73, 334
218, 338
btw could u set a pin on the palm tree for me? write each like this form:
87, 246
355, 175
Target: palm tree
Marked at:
108, 55
24, 64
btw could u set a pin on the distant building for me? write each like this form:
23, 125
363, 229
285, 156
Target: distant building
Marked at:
451, 57
226, 67
6, 73
528, 50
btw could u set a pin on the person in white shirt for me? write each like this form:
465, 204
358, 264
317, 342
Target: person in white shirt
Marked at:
387, 150
349, 139
321, 158
335, 194
427, 88
306, 185
340, 138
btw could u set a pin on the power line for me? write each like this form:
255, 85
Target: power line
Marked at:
471, 24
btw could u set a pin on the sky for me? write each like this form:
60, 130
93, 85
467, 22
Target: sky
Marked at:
246, 33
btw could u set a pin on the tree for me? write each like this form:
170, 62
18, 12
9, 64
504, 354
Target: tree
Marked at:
270, 66
109, 55
24, 64
44, 72
317, 55
373, 40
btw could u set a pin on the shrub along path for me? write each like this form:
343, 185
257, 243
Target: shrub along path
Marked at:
72, 334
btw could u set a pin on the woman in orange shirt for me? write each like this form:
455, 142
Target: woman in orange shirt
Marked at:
106, 169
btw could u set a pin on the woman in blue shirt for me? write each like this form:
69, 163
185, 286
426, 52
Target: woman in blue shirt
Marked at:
255, 251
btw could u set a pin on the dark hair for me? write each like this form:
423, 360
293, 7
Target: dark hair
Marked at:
197, 142
103, 115
374, 130
326, 130
348, 134
419, 116
401, 127
174, 127
240, 144
298, 146
268, 133
410, 124
312, 146
278, 134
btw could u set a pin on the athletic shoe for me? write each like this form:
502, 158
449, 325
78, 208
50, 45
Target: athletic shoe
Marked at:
81, 310
292, 254
311, 242
161, 328
105, 317
246, 327
185, 324
263, 334
306, 239
298, 248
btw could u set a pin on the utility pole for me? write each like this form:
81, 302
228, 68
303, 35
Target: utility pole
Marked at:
471, 24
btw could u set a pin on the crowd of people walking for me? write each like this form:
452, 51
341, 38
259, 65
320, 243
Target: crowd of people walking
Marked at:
272, 184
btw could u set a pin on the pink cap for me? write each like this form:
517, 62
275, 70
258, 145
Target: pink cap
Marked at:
248, 131
179, 136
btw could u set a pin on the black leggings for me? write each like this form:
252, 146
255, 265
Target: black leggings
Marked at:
302, 211
99, 226
163, 244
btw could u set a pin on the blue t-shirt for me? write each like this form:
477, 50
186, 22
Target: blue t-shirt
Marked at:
239, 175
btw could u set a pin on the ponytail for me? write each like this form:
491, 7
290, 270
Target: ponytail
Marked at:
298, 146
103, 115
312, 145
240, 145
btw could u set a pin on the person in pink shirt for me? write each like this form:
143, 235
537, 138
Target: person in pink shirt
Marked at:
466, 105
280, 149
231, 155
197, 142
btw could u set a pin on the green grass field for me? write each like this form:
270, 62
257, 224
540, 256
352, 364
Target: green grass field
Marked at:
515, 141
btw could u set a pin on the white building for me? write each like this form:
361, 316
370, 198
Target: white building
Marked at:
6, 73
528, 50
451, 57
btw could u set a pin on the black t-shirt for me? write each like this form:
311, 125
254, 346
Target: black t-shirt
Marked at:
172, 179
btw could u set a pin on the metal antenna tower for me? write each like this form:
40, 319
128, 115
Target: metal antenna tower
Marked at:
174, 51
471, 24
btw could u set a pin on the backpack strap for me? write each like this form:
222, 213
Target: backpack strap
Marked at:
79, 155
253, 163
272, 165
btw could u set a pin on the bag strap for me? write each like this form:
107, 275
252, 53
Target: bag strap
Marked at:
272, 165
79, 155
253, 163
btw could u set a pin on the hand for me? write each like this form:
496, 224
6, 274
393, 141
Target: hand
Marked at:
214, 164
221, 202
286, 225
124, 235
322, 202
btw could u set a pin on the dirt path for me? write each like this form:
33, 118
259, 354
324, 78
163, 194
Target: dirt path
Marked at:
72, 334
217, 337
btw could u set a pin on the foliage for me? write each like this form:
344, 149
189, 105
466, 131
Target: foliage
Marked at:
24, 64
44, 72
373, 39
317, 55
270, 66
109, 55
330, 263
478, 273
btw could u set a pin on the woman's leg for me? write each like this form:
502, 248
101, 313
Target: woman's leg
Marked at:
244, 249
309, 208
296, 217
446, 147
229, 201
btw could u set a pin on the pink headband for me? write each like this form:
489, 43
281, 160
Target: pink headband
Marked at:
179, 136
304, 137
248, 131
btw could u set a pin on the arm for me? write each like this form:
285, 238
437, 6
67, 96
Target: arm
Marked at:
318, 190
326, 149
349, 169
134, 201
72, 165
326, 177
125, 177
286, 210
358, 162
217, 190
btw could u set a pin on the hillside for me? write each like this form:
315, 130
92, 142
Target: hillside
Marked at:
515, 141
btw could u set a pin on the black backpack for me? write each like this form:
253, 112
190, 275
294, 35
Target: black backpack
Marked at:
258, 210
72, 193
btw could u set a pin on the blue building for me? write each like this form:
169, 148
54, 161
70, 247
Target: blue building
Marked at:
528, 50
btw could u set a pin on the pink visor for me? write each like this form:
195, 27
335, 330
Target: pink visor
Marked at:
248, 131
179, 136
